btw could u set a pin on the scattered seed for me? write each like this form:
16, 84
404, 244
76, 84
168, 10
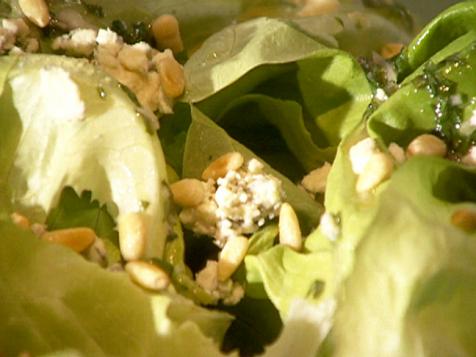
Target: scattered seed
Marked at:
465, 219
428, 145
397, 152
132, 235
36, 11
166, 32
38, 229
378, 169
20, 220
391, 49
231, 256
148, 275
188, 192
316, 180
289, 229
221, 166
78, 239
172, 77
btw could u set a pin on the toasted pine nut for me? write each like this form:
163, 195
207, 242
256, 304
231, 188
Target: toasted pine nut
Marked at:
289, 229
378, 169
77, 239
172, 77
36, 11
20, 220
133, 59
188, 192
132, 235
428, 145
220, 167
470, 157
397, 152
38, 229
148, 275
465, 219
166, 32
231, 256
316, 180
391, 49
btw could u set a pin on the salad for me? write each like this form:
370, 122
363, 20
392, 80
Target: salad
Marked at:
236, 178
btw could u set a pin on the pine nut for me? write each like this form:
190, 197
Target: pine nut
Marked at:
38, 229
20, 220
78, 239
36, 11
132, 235
397, 152
148, 275
316, 180
289, 229
133, 59
470, 157
188, 192
390, 50
428, 145
231, 256
166, 32
172, 77
465, 219
378, 169
221, 166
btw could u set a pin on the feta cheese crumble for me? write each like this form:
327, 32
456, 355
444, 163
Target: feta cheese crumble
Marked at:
236, 204
15, 37
360, 154
78, 42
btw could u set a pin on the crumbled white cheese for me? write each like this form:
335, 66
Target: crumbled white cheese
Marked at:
60, 95
245, 200
456, 100
329, 226
14, 37
236, 204
360, 153
109, 38
380, 95
78, 42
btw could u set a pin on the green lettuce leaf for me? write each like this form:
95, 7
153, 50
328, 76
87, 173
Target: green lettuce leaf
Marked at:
412, 289
356, 29
447, 27
54, 301
263, 239
287, 275
229, 54
423, 104
109, 152
290, 105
